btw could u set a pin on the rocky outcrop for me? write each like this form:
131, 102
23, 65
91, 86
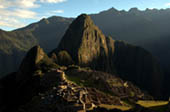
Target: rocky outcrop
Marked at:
29, 63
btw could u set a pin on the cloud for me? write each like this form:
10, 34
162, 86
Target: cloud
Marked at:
1, 7
52, 1
13, 19
167, 4
27, 3
18, 13
18, 3
13, 12
50, 13
24, 14
58, 11
11, 22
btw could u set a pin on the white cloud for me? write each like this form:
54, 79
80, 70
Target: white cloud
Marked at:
11, 22
167, 4
13, 19
18, 13
52, 1
58, 11
50, 13
27, 3
24, 14
1, 7
13, 12
18, 3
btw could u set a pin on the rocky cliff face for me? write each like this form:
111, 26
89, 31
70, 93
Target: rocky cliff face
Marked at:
88, 46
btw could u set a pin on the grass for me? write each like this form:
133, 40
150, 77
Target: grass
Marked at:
149, 104
162, 108
84, 81
110, 107
158, 106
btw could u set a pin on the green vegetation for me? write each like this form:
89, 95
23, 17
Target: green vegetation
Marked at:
86, 81
152, 103
21, 41
46, 64
158, 106
110, 107
64, 58
161, 108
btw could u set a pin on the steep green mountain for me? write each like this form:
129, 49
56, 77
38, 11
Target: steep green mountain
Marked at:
87, 46
15, 44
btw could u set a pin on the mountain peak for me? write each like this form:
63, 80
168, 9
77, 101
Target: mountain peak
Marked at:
112, 10
81, 27
82, 21
33, 57
135, 9
83, 41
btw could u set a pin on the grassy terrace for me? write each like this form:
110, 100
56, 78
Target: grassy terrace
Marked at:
148, 104
88, 81
109, 107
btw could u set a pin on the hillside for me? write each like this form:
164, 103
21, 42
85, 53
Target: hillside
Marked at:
50, 87
15, 44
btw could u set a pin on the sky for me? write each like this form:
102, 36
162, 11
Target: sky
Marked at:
19, 13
